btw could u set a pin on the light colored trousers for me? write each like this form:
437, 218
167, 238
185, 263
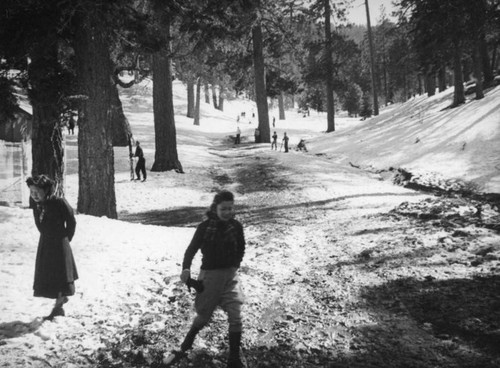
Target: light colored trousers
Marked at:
221, 288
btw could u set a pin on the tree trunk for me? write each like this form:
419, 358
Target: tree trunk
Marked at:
214, 96
430, 84
386, 81
190, 99
372, 60
260, 84
405, 85
330, 104
478, 72
420, 85
121, 127
96, 173
47, 142
487, 69
163, 108
281, 106
494, 59
458, 94
197, 104
221, 97
442, 79
207, 92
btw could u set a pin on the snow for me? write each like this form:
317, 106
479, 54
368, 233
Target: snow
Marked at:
422, 135
120, 263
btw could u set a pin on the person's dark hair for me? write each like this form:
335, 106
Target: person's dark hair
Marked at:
222, 196
41, 181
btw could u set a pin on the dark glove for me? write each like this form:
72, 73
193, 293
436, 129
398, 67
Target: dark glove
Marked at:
195, 284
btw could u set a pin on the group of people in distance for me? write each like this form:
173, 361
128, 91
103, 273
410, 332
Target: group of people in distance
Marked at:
219, 238
274, 142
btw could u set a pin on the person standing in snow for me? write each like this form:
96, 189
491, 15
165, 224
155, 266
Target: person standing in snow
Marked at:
141, 162
71, 125
55, 268
238, 136
222, 243
274, 143
285, 142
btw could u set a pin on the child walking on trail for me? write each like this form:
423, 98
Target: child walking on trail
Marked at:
222, 243
55, 268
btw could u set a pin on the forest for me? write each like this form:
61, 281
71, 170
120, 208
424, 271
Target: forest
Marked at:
71, 58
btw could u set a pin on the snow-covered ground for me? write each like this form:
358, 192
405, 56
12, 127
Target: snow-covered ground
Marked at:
423, 136
120, 262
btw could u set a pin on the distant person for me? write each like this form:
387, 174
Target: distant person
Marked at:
55, 268
302, 146
274, 121
237, 118
71, 125
274, 143
257, 135
237, 140
285, 141
221, 241
141, 162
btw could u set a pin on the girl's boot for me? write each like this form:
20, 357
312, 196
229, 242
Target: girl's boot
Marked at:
189, 339
177, 355
235, 359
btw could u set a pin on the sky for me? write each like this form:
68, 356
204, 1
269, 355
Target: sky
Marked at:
357, 13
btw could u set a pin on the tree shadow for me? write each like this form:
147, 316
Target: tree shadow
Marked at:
181, 217
293, 211
9, 330
392, 261
192, 216
260, 175
463, 314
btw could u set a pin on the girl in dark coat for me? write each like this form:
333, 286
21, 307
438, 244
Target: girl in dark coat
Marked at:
55, 269
221, 241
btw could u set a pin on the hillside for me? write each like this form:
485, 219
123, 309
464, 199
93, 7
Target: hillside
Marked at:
424, 136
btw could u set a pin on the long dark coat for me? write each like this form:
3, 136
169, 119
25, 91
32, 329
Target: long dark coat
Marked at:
55, 268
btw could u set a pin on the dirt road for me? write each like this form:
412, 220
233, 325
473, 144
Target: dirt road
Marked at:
346, 270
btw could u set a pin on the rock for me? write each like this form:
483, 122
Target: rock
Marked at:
460, 233
477, 262
484, 251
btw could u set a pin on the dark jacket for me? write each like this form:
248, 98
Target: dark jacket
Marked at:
55, 268
139, 153
219, 253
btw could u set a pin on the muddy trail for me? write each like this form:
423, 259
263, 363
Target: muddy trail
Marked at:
342, 269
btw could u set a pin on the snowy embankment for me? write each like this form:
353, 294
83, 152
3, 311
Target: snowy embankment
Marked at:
425, 137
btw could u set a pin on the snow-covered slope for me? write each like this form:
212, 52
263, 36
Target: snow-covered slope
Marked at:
423, 135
